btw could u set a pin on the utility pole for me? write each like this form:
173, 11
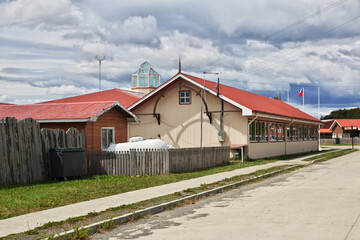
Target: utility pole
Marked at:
100, 59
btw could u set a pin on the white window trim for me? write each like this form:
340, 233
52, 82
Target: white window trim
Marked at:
113, 128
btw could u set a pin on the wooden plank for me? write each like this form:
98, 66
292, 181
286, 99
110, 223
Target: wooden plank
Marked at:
2, 156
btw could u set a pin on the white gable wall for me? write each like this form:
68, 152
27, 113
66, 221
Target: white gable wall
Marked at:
180, 124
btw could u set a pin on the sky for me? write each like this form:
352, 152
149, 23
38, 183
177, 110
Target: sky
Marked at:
269, 47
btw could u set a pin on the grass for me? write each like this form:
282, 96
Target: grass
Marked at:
51, 229
330, 155
334, 145
18, 200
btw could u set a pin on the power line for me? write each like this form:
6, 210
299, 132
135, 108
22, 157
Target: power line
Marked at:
286, 61
275, 33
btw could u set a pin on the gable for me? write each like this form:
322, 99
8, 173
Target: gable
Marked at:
249, 103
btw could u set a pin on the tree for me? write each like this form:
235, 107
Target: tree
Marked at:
352, 113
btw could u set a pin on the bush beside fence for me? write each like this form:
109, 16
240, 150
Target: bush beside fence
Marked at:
155, 162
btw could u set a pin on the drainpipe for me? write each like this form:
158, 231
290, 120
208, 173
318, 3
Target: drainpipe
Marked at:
292, 120
319, 148
248, 131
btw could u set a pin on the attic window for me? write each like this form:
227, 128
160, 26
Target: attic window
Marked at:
185, 97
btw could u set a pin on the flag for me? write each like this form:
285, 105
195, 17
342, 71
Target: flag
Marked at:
301, 93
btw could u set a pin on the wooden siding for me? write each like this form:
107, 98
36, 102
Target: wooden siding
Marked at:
111, 118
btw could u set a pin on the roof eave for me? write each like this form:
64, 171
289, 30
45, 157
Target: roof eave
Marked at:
120, 108
63, 120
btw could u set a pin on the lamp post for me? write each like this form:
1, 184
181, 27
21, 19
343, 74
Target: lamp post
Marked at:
100, 59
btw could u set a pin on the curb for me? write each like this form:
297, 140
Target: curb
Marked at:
162, 207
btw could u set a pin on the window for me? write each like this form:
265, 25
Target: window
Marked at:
185, 97
288, 133
280, 132
273, 131
346, 135
294, 133
253, 131
134, 81
334, 135
301, 132
107, 137
340, 135
306, 132
263, 131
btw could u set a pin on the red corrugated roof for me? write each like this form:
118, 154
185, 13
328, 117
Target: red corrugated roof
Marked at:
348, 122
255, 102
325, 130
55, 110
115, 95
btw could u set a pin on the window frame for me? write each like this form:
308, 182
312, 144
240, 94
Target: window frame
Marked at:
101, 136
185, 97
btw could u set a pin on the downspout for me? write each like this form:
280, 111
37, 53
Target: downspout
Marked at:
286, 136
319, 148
248, 131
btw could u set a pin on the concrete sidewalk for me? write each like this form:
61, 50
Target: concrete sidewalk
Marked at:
30, 221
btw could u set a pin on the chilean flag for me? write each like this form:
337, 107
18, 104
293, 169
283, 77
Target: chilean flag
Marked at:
301, 93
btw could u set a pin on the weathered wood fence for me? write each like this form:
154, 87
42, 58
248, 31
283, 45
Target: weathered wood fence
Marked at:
24, 149
130, 163
155, 162
190, 159
342, 141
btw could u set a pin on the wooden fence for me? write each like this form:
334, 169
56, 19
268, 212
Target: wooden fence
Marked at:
190, 159
342, 141
130, 163
155, 162
24, 149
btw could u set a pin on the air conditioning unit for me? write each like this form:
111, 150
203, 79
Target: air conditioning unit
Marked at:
221, 136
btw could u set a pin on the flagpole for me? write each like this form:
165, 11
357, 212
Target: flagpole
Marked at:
303, 99
318, 102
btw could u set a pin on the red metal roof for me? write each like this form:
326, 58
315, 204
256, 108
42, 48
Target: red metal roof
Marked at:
325, 130
255, 102
348, 122
125, 98
56, 111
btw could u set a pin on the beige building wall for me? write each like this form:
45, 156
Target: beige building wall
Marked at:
302, 146
180, 124
272, 149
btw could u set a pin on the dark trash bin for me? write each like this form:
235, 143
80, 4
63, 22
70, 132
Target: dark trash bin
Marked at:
67, 162
336, 140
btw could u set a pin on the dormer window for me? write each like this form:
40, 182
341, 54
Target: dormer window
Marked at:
185, 97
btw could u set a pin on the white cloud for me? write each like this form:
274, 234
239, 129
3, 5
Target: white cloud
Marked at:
66, 90
35, 12
49, 47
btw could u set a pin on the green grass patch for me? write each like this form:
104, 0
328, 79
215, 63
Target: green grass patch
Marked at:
52, 229
334, 145
330, 155
18, 200
295, 155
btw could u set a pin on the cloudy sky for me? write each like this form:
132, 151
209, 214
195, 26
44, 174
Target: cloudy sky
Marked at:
269, 47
